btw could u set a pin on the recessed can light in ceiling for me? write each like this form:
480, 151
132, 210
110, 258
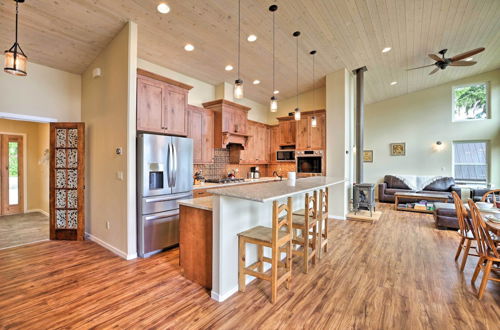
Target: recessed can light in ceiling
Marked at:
256, 82
229, 67
163, 8
394, 83
276, 92
189, 48
386, 49
252, 38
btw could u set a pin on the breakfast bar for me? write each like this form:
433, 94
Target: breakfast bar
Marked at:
238, 208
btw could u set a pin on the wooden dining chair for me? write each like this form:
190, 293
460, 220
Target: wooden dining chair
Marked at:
489, 256
278, 239
465, 232
492, 196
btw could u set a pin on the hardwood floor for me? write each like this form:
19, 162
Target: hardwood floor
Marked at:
398, 273
21, 229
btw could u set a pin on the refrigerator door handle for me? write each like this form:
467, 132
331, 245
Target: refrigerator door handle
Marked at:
174, 172
169, 165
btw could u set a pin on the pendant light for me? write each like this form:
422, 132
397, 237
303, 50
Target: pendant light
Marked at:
274, 99
238, 84
296, 34
314, 121
15, 59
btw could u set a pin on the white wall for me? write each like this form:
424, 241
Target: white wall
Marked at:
108, 110
310, 100
420, 119
44, 92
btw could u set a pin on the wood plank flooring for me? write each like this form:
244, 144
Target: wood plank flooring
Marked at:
21, 229
396, 274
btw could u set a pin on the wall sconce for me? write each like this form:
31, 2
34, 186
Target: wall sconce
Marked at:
438, 146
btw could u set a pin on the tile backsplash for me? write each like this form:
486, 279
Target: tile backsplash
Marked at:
221, 167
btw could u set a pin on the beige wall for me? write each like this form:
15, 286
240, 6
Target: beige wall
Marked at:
307, 101
36, 185
420, 119
44, 92
106, 103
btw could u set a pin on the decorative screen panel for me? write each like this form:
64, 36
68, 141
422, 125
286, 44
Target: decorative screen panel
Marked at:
67, 150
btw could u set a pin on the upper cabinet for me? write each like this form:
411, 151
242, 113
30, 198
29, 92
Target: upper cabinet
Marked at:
287, 127
274, 142
201, 130
309, 137
257, 150
161, 104
230, 123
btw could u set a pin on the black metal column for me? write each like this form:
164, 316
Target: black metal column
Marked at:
360, 122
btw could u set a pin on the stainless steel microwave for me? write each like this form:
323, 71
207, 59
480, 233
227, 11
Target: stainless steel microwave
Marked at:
285, 155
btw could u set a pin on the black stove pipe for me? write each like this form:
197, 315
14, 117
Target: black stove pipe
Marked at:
360, 121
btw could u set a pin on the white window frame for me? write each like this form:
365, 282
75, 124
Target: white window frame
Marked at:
488, 163
487, 84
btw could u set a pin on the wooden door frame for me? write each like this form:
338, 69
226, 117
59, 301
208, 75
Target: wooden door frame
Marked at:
23, 196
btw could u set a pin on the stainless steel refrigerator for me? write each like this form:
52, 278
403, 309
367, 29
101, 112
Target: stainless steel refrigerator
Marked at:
164, 175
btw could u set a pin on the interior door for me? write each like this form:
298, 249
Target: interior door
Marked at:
11, 174
66, 180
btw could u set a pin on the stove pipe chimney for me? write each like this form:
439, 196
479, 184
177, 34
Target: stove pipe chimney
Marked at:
360, 122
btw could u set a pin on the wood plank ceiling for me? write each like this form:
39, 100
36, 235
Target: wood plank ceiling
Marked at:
69, 34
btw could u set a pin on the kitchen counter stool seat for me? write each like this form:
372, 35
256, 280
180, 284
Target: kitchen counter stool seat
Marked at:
322, 222
307, 224
279, 239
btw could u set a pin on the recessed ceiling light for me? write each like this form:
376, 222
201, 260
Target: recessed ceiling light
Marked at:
394, 83
256, 82
229, 67
252, 38
163, 8
468, 59
386, 49
189, 48
276, 92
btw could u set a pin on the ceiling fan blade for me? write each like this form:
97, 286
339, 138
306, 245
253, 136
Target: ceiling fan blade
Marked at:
434, 71
435, 57
463, 63
467, 54
420, 67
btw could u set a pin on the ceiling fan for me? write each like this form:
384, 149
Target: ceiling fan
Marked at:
442, 62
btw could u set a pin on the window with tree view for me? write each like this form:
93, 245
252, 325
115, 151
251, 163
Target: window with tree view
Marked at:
470, 102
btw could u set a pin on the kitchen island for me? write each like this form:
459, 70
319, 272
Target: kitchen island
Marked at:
239, 208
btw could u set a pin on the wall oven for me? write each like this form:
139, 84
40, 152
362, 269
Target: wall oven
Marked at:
310, 161
285, 155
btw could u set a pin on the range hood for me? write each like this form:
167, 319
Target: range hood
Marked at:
230, 124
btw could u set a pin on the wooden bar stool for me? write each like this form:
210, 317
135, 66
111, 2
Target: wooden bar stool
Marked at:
307, 223
279, 239
322, 222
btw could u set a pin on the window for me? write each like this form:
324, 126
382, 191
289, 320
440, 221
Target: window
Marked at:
470, 102
470, 161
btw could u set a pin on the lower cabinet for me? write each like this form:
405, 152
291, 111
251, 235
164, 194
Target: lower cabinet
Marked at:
201, 130
197, 193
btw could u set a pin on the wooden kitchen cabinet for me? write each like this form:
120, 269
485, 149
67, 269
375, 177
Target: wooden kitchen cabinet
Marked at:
201, 129
308, 137
256, 151
161, 104
287, 131
197, 193
274, 142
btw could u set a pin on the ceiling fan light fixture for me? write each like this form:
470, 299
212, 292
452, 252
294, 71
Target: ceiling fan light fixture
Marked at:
16, 61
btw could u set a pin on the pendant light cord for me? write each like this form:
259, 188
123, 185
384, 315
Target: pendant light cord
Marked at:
239, 36
297, 72
314, 90
17, 14
274, 56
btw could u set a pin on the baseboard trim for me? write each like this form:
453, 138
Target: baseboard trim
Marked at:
110, 247
38, 210
336, 217
215, 296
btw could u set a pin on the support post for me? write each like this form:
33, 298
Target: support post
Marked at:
360, 120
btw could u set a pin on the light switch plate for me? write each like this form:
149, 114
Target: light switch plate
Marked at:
119, 175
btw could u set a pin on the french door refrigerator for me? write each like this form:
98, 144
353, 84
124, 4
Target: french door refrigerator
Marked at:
164, 175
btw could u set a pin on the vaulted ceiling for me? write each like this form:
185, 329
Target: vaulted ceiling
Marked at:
68, 35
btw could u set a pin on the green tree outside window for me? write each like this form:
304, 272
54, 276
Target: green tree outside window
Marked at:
470, 102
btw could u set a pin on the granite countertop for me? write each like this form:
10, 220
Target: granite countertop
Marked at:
275, 190
208, 185
204, 203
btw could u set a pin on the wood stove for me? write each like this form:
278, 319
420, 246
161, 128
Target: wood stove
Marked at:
363, 197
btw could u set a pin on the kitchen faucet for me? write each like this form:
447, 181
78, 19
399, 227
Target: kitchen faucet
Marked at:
279, 176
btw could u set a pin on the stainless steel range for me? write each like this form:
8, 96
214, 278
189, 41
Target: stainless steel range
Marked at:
164, 175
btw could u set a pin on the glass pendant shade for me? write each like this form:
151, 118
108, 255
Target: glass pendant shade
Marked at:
314, 122
297, 114
15, 63
238, 89
274, 104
